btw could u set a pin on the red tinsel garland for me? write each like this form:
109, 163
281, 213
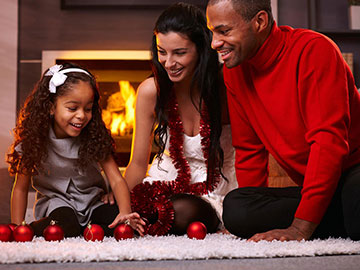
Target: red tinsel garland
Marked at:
152, 201
177, 153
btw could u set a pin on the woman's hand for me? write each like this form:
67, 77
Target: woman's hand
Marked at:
132, 219
108, 198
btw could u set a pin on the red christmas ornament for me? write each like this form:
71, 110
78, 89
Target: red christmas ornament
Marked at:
53, 232
93, 232
23, 233
123, 231
5, 233
196, 230
12, 226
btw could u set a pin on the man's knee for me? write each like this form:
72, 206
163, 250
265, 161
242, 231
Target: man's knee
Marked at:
237, 217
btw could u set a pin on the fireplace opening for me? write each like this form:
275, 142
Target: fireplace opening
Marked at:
118, 80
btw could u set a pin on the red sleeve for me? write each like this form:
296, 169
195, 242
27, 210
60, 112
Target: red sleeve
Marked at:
324, 104
251, 158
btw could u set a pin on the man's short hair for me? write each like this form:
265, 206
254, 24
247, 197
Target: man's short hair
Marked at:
247, 9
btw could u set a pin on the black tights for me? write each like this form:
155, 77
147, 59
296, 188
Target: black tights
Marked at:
66, 218
190, 208
187, 208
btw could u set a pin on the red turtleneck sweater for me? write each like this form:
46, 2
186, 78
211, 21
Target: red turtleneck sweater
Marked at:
296, 98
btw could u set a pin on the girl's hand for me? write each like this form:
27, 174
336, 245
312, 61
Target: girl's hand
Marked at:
132, 219
108, 198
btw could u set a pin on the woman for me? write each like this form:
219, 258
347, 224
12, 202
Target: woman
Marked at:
182, 105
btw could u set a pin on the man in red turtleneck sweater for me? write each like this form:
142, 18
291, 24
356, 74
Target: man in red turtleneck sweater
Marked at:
291, 94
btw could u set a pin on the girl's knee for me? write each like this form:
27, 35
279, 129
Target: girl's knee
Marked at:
67, 219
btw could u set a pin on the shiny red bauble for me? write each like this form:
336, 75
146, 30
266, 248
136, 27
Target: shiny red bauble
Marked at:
196, 230
93, 232
53, 232
123, 231
5, 233
23, 233
12, 226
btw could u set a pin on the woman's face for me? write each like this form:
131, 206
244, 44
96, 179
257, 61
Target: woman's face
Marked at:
177, 54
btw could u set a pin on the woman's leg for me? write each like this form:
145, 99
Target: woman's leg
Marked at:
189, 208
65, 217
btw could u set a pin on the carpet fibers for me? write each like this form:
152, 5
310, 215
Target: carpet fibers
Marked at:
214, 246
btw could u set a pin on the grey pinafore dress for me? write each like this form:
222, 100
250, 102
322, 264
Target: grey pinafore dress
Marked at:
63, 184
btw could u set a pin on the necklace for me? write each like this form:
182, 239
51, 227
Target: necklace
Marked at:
176, 149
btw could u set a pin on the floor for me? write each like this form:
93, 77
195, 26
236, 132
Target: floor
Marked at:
349, 262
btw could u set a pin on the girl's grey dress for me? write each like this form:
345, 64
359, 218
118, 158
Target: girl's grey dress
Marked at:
63, 184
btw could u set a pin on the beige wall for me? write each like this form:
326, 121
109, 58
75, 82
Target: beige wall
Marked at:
8, 71
274, 7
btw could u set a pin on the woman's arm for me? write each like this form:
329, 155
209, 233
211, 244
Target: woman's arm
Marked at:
143, 133
19, 198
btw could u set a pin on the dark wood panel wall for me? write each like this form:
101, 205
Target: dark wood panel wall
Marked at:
330, 17
43, 25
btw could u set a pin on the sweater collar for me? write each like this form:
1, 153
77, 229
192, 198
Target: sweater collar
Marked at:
270, 50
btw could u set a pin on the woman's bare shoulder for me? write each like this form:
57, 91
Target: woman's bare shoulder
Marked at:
147, 88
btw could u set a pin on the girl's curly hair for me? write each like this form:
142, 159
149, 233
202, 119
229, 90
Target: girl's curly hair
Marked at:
34, 122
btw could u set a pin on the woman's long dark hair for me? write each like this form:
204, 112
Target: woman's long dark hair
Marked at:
34, 122
189, 20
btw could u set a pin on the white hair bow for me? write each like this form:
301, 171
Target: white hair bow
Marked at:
59, 77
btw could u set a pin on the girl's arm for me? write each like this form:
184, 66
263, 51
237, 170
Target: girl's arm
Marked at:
19, 198
122, 196
143, 133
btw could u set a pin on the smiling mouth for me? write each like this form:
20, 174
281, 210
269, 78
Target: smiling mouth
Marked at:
175, 72
224, 53
76, 125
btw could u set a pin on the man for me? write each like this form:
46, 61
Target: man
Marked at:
291, 94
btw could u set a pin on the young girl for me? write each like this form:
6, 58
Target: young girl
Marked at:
184, 101
60, 139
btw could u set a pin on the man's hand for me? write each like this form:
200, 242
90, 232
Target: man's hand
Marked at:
298, 230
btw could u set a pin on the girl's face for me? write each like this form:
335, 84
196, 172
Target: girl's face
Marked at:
177, 54
73, 111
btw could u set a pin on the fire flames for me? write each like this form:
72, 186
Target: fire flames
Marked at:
119, 114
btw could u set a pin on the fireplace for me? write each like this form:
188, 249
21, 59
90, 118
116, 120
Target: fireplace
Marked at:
118, 73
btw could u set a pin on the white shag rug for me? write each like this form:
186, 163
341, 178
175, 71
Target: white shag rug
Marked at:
214, 246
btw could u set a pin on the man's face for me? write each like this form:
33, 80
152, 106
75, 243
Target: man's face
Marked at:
233, 37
